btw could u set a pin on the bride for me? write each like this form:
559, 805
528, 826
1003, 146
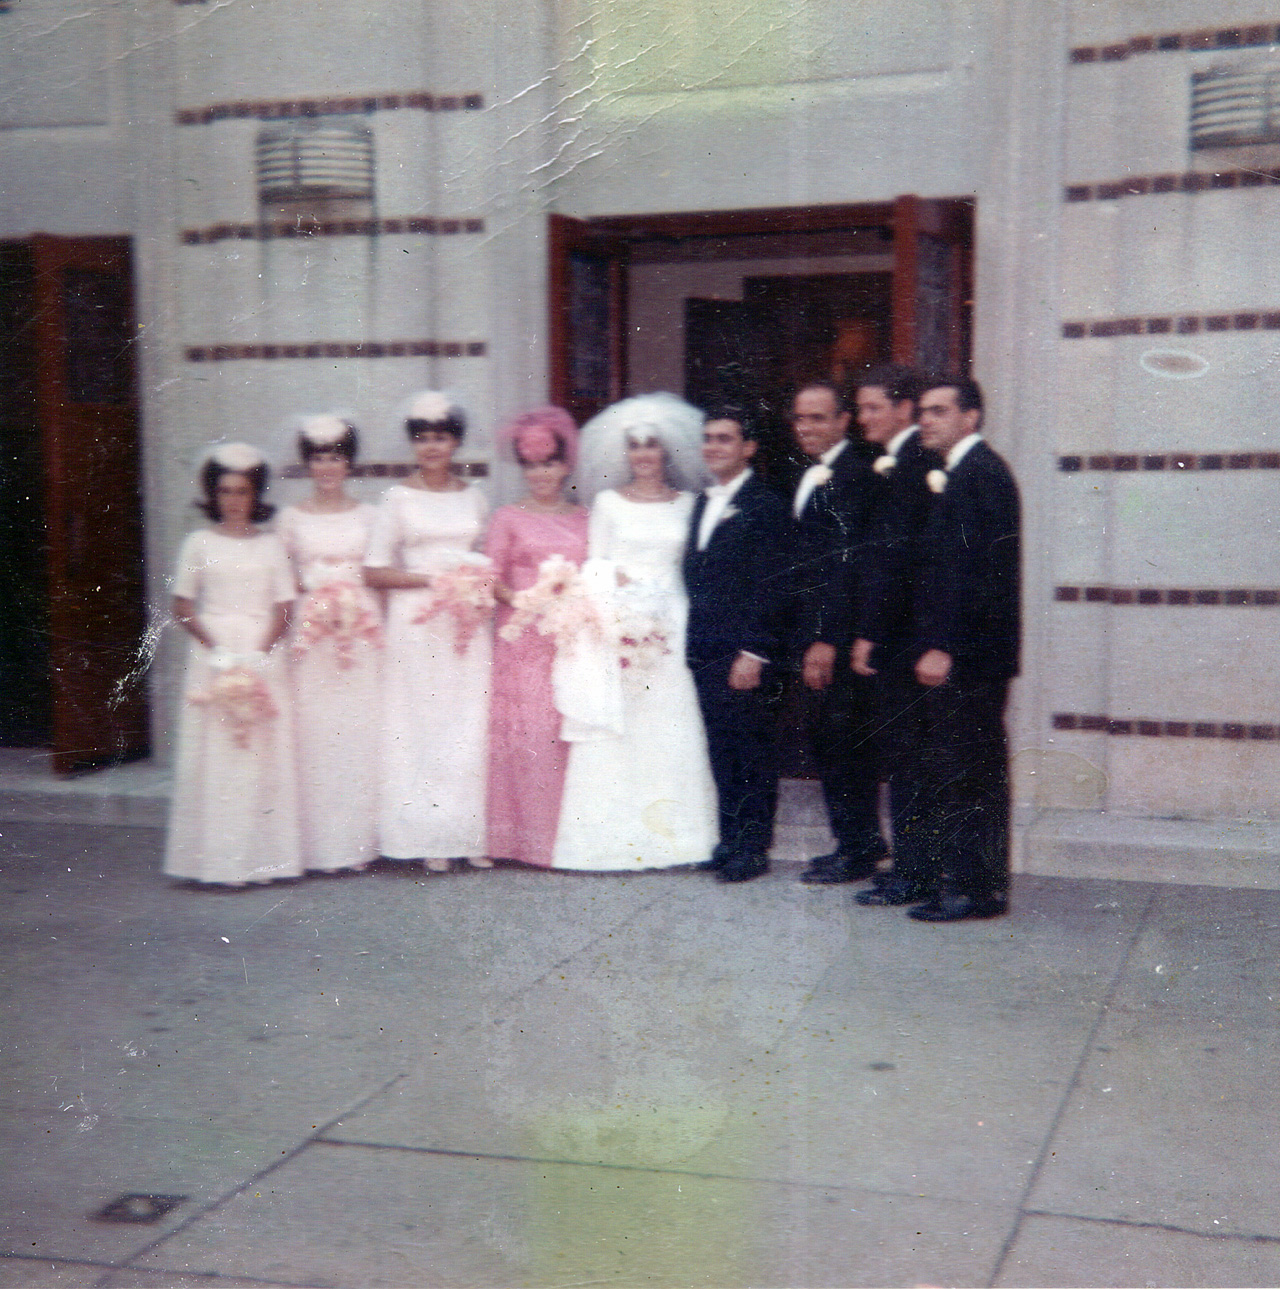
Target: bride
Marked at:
638, 792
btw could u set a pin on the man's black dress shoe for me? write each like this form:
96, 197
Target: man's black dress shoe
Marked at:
891, 892
830, 870
742, 868
719, 858
954, 907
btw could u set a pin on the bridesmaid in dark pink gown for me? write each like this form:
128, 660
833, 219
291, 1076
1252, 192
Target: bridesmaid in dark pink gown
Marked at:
527, 757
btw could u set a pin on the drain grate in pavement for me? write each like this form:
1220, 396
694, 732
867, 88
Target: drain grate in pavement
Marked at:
140, 1209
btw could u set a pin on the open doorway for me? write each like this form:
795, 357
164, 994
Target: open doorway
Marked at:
743, 305
71, 575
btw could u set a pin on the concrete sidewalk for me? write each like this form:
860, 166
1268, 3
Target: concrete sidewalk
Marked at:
522, 1078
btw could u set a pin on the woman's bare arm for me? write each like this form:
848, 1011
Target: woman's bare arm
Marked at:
184, 614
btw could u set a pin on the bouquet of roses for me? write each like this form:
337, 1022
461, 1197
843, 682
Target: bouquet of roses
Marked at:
338, 613
556, 605
641, 641
465, 592
239, 697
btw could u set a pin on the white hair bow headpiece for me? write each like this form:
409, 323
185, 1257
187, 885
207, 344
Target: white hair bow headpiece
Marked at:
430, 405
236, 456
322, 429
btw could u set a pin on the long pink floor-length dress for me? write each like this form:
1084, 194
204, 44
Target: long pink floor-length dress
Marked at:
335, 688
527, 758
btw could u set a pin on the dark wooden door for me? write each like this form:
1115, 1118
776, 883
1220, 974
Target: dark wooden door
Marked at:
932, 277
730, 357
588, 307
87, 412
24, 638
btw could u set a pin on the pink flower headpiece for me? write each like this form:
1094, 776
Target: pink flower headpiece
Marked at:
542, 435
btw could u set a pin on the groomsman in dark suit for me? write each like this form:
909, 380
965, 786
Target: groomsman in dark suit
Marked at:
831, 507
884, 648
968, 628
735, 571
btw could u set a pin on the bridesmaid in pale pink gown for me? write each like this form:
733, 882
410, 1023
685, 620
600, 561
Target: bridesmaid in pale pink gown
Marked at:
337, 654
527, 757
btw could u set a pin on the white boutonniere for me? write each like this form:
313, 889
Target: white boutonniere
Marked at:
885, 464
819, 474
937, 480
728, 513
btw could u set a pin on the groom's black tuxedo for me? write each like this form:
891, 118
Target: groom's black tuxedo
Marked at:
737, 598
967, 605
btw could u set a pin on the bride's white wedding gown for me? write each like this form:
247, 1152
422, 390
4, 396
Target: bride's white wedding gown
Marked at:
643, 798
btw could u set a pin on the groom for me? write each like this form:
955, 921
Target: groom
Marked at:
735, 565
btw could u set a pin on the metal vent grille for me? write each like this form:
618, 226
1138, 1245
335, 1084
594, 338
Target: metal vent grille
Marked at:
1236, 105
300, 160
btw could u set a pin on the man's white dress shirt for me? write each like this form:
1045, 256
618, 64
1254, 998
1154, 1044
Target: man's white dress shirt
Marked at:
961, 450
816, 475
719, 498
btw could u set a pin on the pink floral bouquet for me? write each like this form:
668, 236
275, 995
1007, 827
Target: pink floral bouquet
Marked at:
466, 594
560, 606
340, 614
239, 698
556, 605
641, 642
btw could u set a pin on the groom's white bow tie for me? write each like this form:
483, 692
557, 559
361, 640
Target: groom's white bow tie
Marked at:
717, 502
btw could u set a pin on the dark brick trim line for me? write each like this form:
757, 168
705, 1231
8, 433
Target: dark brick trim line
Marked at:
339, 349
284, 109
1233, 730
1169, 42
1230, 597
394, 470
1186, 324
1183, 181
329, 228
1122, 462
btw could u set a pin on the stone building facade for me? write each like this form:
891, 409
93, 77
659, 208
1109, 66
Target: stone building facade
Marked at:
330, 204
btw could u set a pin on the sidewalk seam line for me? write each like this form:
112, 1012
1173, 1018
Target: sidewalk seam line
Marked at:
255, 1178
1020, 1210
629, 1168
1154, 1226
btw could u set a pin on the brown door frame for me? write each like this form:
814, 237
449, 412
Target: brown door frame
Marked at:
90, 432
567, 237
948, 221
609, 236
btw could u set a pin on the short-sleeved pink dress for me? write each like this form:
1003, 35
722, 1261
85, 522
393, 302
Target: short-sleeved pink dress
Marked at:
234, 817
527, 757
